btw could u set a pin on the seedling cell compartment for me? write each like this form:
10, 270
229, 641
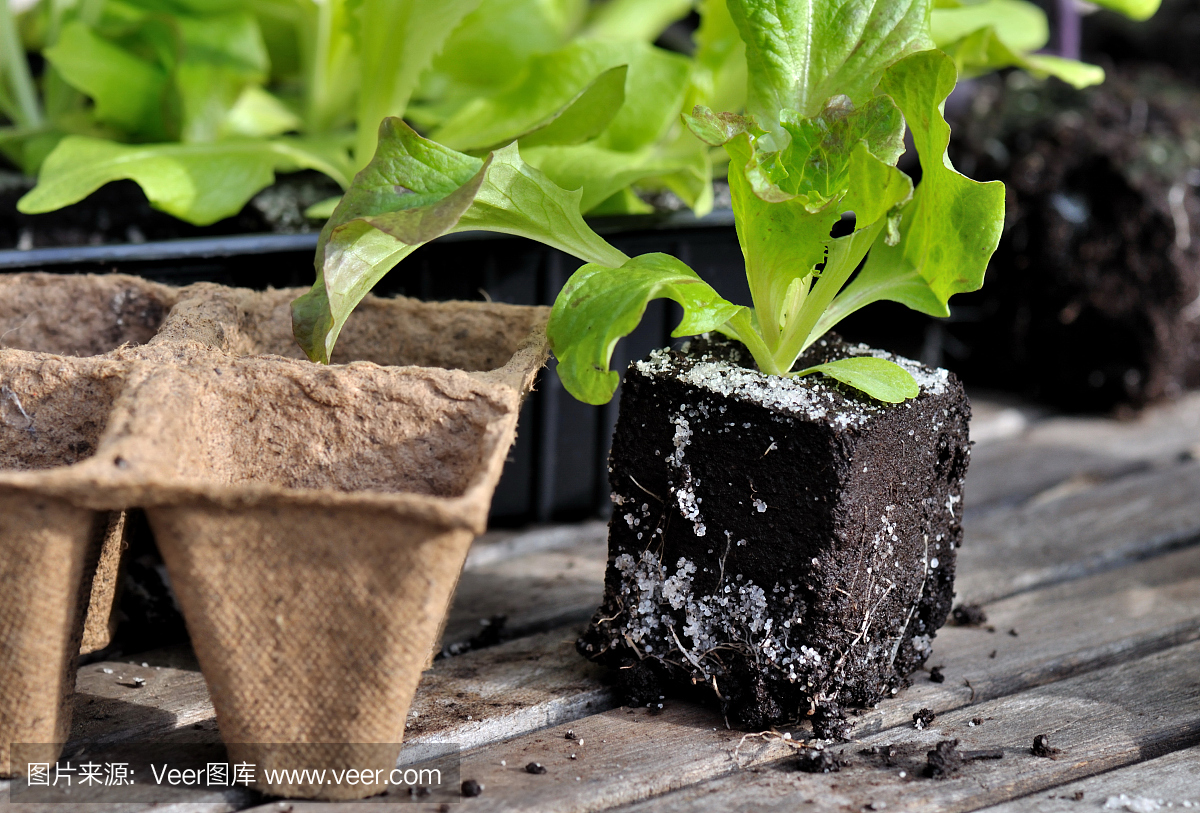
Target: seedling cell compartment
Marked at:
313, 519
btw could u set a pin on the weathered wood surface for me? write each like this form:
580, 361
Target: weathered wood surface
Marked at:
1080, 536
1102, 720
175, 697
1168, 781
1021, 454
535, 590
1064, 630
520, 686
1010, 550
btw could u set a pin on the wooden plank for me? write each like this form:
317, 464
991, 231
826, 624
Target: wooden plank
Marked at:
1021, 454
496, 546
1064, 630
478, 697
1157, 613
125, 701
1169, 782
526, 684
1011, 550
1059, 537
535, 592
503, 691
1102, 720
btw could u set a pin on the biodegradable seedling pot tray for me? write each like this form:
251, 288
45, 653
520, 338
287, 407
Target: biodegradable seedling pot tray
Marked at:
313, 519
783, 546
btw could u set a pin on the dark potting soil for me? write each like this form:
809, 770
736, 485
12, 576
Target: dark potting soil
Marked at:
1168, 38
119, 213
1090, 301
783, 547
1091, 297
969, 615
1043, 748
823, 761
923, 719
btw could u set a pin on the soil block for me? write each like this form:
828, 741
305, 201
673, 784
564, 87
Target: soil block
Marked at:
786, 547
1091, 297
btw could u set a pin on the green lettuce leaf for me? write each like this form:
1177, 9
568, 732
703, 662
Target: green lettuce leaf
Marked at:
817, 158
258, 114
800, 53
199, 183
1135, 9
413, 191
635, 20
586, 116
127, 90
652, 91
492, 124
878, 378
719, 62
399, 40
949, 230
493, 44
782, 242
599, 305
599, 173
219, 56
983, 51
1019, 24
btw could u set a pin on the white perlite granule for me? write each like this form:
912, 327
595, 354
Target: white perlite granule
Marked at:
810, 397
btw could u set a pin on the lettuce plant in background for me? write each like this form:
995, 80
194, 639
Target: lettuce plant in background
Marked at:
987, 35
201, 102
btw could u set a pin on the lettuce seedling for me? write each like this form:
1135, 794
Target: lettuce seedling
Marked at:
831, 89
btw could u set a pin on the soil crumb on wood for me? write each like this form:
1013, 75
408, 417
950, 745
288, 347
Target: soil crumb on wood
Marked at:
821, 762
936, 676
535, 768
471, 788
1042, 748
493, 631
969, 615
944, 760
923, 719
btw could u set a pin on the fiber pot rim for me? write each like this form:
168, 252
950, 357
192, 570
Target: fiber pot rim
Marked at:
95, 483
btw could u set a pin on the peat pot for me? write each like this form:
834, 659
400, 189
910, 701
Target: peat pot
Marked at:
786, 547
313, 519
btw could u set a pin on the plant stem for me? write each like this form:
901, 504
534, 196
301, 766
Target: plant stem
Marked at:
749, 336
16, 69
845, 253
